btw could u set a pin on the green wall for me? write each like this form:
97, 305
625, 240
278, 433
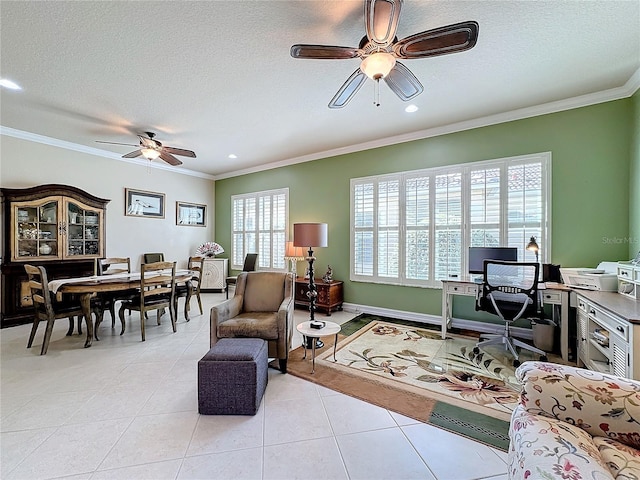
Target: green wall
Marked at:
591, 162
634, 187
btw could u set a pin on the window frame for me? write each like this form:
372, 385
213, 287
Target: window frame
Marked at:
542, 228
276, 236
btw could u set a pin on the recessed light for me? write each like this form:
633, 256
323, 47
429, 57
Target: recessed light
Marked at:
6, 83
233, 155
411, 108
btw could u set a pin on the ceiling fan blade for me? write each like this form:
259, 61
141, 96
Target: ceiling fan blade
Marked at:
348, 90
170, 159
134, 154
403, 83
324, 52
116, 143
381, 20
439, 41
179, 151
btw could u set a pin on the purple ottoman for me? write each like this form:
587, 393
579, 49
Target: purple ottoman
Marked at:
232, 377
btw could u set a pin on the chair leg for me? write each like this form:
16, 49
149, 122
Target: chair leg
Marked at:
142, 318
283, 365
34, 328
172, 314
80, 317
71, 325
199, 303
47, 337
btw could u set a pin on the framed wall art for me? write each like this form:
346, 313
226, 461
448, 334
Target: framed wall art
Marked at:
191, 214
139, 203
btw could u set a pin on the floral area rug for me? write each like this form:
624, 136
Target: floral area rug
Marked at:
419, 358
407, 368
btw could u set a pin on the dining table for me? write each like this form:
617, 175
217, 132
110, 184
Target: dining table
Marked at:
86, 287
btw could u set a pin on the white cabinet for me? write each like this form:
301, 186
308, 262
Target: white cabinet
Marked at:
214, 273
604, 340
629, 280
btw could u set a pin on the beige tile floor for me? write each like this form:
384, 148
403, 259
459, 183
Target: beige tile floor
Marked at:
124, 409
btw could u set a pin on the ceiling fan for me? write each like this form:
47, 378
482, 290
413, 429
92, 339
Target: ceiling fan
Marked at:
152, 149
380, 48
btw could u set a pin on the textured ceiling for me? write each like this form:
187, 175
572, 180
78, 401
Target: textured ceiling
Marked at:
216, 77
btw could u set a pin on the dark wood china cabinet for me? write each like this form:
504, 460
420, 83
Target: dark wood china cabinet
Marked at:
58, 226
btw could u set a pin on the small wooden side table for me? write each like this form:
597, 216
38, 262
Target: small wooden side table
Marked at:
330, 295
330, 328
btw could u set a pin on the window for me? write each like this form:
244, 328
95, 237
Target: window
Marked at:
259, 222
414, 228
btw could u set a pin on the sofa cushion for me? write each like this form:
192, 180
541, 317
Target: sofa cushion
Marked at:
542, 447
622, 460
251, 324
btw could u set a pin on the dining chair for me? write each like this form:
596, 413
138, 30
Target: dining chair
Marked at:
46, 308
107, 300
250, 261
195, 265
153, 257
157, 292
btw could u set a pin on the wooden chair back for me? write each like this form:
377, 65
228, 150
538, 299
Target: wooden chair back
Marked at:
153, 257
111, 265
157, 281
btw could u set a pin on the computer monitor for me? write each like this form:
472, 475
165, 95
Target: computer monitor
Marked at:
477, 256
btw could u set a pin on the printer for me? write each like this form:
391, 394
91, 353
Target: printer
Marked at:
604, 278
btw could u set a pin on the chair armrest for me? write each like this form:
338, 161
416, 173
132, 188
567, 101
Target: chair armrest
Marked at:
602, 404
227, 309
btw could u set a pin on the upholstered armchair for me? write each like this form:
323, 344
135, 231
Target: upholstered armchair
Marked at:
573, 424
262, 307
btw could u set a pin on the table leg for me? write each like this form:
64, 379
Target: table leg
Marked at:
313, 356
564, 327
335, 345
446, 312
85, 301
187, 302
304, 345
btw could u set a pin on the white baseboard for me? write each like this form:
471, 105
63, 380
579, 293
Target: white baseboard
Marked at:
473, 325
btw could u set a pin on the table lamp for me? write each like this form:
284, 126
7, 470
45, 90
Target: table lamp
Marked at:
294, 255
311, 235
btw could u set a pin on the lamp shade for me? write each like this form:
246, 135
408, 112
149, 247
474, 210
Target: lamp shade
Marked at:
292, 252
310, 235
532, 246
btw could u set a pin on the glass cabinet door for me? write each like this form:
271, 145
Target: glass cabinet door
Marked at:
84, 230
36, 232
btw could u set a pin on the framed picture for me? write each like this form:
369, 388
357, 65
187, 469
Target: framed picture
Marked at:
139, 203
191, 214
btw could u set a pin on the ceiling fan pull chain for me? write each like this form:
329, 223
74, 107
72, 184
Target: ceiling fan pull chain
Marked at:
376, 92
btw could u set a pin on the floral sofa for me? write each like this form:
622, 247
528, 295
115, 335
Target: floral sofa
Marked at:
574, 424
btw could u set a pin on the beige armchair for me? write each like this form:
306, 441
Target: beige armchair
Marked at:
262, 307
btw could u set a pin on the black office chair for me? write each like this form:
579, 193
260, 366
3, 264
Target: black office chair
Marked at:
510, 291
250, 262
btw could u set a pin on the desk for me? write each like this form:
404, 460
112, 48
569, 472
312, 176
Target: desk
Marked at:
553, 294
86, 287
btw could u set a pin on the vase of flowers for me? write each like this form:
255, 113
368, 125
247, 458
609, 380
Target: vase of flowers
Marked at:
209, 249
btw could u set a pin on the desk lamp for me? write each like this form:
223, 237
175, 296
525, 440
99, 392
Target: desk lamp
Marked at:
311, 235
532, 246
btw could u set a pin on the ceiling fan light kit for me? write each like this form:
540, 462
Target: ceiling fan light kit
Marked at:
379, 50
152, 149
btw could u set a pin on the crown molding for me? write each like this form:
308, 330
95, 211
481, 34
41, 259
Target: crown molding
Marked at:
627, 90
54, 142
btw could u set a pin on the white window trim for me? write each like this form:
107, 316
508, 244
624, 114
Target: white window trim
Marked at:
256, 196
545, 159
